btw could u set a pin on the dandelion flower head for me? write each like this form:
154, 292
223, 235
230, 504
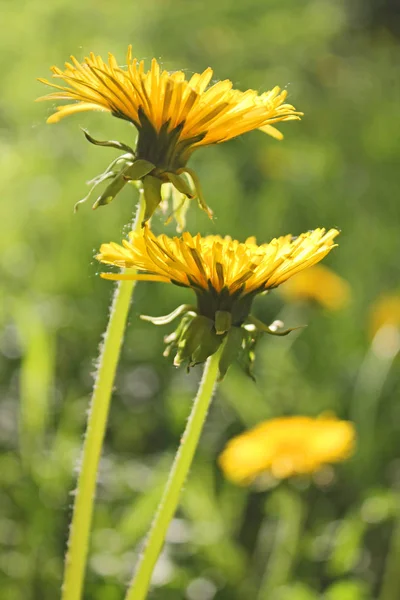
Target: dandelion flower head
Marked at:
225, 275
173, 116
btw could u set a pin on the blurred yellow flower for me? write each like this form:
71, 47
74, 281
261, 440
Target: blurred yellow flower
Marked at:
173, 117
319, 284
287, 446
225, 275
385, 311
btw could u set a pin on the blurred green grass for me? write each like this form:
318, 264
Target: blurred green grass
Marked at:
338, 167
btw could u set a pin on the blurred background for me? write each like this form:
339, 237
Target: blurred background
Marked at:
335, 536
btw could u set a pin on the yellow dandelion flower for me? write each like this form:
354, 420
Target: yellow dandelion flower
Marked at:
173, 115
225, 275
287, 446
214, 263
385, 311
319, 284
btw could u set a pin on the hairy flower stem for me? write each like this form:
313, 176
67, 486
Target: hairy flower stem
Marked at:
78, 543
177, 476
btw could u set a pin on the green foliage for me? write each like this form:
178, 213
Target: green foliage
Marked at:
338, 167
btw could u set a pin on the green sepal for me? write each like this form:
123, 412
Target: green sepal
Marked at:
210, 343
180, 205
96, 181
223, 321
173, 338
111, 172
248, 356
108, 143
190, 339
181, 185
199, 193
139, 169
197, 342
183, 308
152, 195
232, 348
117, 184
273, 329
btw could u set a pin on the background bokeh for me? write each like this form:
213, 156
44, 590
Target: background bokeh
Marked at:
337, 537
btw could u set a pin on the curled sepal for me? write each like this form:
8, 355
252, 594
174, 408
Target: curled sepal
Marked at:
173, 338
181, 184
94, 182
108, 143
179, 205
118, 183
274, 329
152, 195
248, 356
199, 193
131, 171
183, 308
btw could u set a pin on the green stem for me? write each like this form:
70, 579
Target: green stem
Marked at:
391, 580
78, 543
177, 476
370, 382
290, 523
